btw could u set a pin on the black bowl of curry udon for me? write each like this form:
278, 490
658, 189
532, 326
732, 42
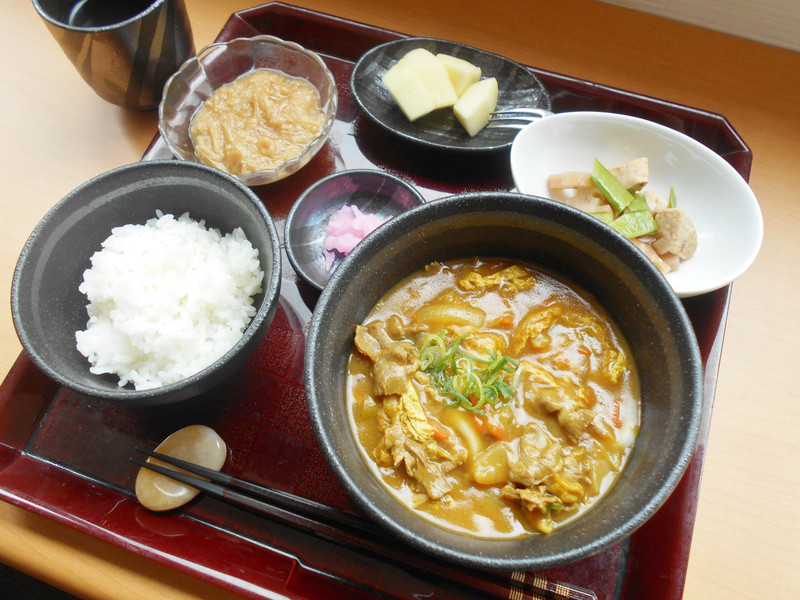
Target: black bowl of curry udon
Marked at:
503, 382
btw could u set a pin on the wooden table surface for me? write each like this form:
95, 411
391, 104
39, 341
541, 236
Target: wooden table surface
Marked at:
57, 133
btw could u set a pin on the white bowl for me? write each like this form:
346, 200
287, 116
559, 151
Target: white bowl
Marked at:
724, 209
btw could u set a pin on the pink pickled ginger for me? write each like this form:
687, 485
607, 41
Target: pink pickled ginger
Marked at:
347, 227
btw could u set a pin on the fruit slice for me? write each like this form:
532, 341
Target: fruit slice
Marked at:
462, 73
434, 75
475, 106
408, 90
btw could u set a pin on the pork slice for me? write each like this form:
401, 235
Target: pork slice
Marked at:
538, 457
395, 361
408, 439
367, 342
394, 366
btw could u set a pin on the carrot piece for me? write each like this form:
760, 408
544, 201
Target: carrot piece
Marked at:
615, 418
479, 423
493, 426
440, 432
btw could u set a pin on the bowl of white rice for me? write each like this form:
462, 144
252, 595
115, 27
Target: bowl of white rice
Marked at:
148, 284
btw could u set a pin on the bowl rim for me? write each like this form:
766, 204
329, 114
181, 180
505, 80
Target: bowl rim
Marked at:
290, 166
290, 218
490, 557
270, 286
714, 281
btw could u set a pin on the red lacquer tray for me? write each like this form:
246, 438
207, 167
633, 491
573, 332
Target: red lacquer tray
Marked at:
65, 456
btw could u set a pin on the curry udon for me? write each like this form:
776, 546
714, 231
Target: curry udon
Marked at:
492, 397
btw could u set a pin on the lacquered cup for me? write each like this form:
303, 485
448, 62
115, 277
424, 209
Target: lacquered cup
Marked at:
124, 49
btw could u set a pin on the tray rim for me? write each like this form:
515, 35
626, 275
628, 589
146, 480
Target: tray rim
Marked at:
12, 459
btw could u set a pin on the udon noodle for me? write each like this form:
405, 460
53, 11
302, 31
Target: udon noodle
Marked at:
492, 398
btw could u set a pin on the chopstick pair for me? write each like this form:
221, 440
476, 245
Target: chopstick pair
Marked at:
287, 507
358, 533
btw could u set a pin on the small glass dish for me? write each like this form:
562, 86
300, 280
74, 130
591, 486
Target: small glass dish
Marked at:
221, 63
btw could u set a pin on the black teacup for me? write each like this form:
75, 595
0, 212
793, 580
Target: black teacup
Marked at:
124, 49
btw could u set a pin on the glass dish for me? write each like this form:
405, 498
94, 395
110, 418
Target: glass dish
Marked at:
223, 62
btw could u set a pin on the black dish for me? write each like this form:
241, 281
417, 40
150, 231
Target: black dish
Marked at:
48, 309
518, 87
373, 192
582, 250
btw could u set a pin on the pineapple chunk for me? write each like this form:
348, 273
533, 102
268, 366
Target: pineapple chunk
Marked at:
434, 75
462, 73
475, 106
408, 90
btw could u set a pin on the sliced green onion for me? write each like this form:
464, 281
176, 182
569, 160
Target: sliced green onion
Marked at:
554, 506
466, 380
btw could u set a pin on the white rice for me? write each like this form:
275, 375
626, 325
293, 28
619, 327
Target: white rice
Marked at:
167, 299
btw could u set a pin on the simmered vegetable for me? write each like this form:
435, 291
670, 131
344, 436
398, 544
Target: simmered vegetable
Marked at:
637, 220
617, 197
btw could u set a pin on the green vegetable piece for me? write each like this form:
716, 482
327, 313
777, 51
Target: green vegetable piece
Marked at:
610, 187
634, 224
673, 200
605, 217
639, 203
637, 220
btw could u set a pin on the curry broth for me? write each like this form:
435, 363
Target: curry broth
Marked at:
512, 468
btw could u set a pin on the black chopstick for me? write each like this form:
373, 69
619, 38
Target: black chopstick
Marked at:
293, 509
320, 519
